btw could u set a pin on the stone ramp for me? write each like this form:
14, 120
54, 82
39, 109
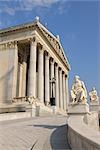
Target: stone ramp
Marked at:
38, 133
58, 140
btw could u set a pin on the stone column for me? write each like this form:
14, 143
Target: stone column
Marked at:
20, 79
64, 92
47, 94
32, 69
11, 71
57, 86
24, 75
40, 75
14, 93
60, 88
52, 75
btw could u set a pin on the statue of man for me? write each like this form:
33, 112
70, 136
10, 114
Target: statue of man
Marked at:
78, 91
93, 95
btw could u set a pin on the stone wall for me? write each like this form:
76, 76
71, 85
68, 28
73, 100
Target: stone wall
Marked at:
92, 120
6, 74
81, 136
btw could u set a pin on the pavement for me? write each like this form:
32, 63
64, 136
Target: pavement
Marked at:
38, 133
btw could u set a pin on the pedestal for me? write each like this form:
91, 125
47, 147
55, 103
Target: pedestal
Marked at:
78, 108
54, 109
94, 106
32, 109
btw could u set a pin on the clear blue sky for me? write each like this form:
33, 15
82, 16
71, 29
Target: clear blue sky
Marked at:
77, 23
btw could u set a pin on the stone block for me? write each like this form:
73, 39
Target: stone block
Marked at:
74, 109
32, 109
94, 106
9, 108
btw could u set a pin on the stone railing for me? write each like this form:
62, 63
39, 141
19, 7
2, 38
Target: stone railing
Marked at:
81, 136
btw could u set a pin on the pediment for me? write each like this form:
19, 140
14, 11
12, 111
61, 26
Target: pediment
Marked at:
55, 42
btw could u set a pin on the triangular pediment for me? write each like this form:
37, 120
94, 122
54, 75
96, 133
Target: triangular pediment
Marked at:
55, 42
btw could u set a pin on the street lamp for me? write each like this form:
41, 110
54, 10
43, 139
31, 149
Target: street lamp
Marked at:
52, 99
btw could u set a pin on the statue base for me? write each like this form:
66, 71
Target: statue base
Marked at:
78, 108
94, 106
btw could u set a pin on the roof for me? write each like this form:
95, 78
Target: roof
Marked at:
50, 36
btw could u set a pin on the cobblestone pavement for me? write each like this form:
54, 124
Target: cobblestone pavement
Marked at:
38, 133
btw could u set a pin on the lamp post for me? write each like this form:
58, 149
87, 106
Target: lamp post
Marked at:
52, 98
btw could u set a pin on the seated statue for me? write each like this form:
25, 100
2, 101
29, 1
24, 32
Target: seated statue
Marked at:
93, 95
78, 91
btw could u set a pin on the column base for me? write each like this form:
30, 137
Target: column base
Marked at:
47, 103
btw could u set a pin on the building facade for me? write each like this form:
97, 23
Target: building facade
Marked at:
30, 58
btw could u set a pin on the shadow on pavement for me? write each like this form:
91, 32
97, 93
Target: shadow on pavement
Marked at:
46, 126
58, 139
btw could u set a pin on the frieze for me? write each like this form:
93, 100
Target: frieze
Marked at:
55, 45
53, 42
9, 45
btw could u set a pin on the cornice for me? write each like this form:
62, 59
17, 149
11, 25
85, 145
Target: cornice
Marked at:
17, 28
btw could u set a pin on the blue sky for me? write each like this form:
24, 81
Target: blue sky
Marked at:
77, 23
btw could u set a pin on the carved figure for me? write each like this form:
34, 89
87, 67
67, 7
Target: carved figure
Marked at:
78, 91
93, 95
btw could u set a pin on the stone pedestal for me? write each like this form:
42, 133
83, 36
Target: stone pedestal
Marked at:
94, 106
32, 109
78, 109
54, 109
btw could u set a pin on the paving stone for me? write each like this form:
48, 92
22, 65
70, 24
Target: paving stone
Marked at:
38, 133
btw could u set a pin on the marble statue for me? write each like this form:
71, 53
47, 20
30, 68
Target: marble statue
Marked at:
93, 95
78, 91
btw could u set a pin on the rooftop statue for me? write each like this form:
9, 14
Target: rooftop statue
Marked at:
93, 95
78, 91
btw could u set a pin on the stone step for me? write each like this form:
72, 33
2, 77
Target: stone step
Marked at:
12, 116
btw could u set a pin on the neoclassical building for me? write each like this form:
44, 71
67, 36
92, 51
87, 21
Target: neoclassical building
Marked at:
30, 58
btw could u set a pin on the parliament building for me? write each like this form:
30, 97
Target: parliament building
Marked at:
33, 67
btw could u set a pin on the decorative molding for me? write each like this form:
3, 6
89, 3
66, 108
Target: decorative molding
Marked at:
3, 47
55, 45
8, 45
40, 48
33, 39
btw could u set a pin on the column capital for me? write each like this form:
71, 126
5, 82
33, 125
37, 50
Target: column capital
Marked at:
52, 61
63, 72
40, 47
46, 53
33, 40
56, 66
60, 69
47, 56
66, 75
12, 44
